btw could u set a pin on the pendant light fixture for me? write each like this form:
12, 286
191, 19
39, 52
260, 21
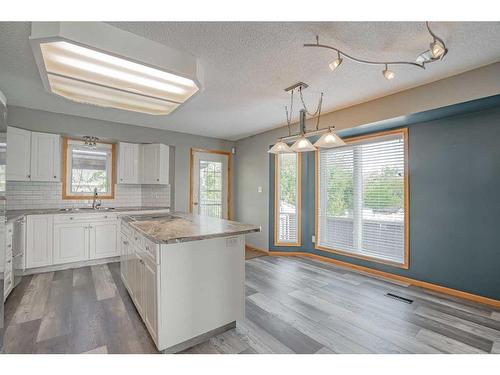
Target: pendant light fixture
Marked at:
280, 147
436, 52
329, 140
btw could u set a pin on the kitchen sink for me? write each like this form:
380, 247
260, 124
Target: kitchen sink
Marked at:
86, 209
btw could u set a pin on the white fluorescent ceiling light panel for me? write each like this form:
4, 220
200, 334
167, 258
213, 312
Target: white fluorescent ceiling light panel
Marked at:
95, 63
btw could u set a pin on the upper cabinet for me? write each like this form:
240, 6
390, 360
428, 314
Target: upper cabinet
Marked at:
33, 156
128, 163
155, 160
45, 157
18, 154
143, 164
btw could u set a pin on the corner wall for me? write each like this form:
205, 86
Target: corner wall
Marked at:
403, 108
49, 122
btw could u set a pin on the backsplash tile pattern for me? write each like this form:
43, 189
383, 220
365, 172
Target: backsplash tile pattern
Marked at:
27, 195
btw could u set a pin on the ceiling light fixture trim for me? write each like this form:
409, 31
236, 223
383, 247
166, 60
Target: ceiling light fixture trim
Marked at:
95, 63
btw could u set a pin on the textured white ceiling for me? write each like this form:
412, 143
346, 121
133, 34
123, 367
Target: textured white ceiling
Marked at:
247, 66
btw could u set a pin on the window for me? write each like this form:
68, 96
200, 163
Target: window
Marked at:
287, 200
361, 198
88, 169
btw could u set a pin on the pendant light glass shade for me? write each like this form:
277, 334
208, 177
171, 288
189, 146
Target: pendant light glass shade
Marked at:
302, 145
280, 147
329, 140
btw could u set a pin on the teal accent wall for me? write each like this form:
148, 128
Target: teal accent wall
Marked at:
454, 195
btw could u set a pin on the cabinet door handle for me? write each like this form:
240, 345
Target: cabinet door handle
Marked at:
71, 218
29, 176
55, 176
125, 242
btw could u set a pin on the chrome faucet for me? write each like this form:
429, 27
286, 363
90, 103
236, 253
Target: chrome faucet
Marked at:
96, 202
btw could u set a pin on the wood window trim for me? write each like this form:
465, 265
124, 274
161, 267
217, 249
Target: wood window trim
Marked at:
191, 161
65, 171
405, 264
298, 243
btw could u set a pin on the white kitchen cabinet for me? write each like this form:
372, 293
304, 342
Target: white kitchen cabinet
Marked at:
155, 164
6, 266
71, 242
150, 300
18, 154
45, 157
33, 156
39, 240
128, 163
124, 259
103, 239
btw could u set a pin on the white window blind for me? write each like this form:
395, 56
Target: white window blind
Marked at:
88, 169
361, 198
287, 196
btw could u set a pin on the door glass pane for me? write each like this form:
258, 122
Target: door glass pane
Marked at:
210, 188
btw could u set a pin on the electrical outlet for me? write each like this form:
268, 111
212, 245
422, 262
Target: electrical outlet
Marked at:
259, 189
313, 238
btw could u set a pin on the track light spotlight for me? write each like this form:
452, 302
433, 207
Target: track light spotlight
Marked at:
437, 49
388, 74
335, 63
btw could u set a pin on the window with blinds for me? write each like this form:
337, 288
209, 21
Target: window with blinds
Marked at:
287, 199
88, 169
361, 202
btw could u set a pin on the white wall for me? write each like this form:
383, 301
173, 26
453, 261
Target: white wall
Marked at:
42, 121
253, 160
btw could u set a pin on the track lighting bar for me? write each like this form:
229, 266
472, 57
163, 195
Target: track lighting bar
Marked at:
436, 52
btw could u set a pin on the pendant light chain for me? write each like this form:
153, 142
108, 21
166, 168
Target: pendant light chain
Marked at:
318, 109
289, 116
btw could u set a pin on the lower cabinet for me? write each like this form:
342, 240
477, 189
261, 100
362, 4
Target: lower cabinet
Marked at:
103, 237
39, 235
150, 296
140, 276
71, 243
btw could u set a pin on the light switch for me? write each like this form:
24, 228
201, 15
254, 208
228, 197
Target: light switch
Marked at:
259, 189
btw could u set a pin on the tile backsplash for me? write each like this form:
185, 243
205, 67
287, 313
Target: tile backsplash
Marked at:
27, 195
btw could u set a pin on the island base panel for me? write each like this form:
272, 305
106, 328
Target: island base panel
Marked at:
199, 339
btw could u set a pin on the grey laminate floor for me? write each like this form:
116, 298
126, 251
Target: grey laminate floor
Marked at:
293, 305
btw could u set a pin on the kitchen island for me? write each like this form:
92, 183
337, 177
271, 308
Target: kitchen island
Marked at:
185, 274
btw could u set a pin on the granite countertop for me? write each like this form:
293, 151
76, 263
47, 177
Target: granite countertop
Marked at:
12, 215
179, 227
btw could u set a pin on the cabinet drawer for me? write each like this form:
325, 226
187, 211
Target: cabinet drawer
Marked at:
152, 250
8, 252
71, 218
126, 230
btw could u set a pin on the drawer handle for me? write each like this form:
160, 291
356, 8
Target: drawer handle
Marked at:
9, 261
71, 218
125, 242
9, 245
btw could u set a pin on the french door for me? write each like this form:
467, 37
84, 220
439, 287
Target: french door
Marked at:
210, 183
